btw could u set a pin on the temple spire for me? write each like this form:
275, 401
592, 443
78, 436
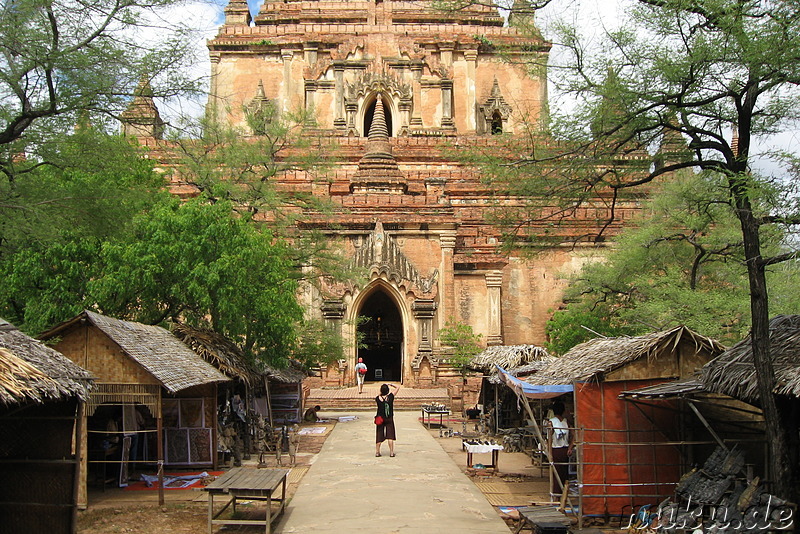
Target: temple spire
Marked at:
378, 171
238, 13
141, 118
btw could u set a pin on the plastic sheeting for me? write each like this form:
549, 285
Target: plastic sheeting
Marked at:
625, 461
530, 391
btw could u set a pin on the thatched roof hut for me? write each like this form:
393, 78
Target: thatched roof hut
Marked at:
32, 372
601, 358
40, 395
510, 357
143, 368
164, 356
733, 372
620, 446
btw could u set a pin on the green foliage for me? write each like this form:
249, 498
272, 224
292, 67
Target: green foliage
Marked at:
86, 195
71, 62
46, 283
465, 343
107, 237
579, 323
203, 263
318, 344
227, 163
682, 263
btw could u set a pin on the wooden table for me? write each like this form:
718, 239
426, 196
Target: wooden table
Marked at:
478, 449
542, 519
440, 413
248, 483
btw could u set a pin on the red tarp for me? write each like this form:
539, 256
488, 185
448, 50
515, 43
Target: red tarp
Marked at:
610, 425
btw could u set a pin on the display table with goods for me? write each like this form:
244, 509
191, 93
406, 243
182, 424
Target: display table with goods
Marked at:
478, 446
434, 409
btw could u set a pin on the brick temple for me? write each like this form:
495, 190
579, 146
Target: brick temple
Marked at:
396, 86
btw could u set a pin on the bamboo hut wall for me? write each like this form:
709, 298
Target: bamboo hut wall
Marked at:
148, 395
208, 393
38, 480
93, 350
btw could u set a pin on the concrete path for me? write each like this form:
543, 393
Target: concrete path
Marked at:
421, 490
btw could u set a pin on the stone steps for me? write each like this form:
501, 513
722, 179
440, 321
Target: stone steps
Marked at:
408, 399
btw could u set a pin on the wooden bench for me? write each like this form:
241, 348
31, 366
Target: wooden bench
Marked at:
542, 520
247, 483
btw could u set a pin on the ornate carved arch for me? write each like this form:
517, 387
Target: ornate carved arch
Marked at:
493, 108
360, 94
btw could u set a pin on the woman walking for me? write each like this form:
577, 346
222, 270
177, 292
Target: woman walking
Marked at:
385, 430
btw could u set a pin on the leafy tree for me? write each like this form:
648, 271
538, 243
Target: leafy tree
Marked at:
465, 343
55, 220
702, 81
87, 195
682, 263
317, 344
224, 162
202, 263
67, 61
581, 321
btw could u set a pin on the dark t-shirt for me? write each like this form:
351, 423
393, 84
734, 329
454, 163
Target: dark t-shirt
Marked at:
383, 410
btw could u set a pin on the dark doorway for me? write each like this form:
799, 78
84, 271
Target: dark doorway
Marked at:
381, 335
387, 114
497, 123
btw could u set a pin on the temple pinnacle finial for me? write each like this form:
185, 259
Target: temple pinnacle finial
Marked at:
378, 130
378, 171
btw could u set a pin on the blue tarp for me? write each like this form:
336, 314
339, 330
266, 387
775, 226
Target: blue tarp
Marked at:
521, 387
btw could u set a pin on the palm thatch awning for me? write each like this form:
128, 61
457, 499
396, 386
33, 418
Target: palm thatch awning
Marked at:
592, 359
217, 350
667, 390
291, 374
733, 373
173, 364
32, 372
229, 358
511, 358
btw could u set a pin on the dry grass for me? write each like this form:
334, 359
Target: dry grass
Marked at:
33, 372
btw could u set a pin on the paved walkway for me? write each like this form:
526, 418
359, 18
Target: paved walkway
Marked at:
421, 490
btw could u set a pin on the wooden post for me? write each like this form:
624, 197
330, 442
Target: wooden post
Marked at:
708, 426
214, 433
78, 487
579, 456
269, 402
160, 455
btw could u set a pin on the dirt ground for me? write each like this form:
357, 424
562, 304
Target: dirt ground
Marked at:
137, 512
115, 510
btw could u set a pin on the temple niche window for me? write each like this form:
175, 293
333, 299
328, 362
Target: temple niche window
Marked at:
497, 123
494, 113
260, 112
370, 112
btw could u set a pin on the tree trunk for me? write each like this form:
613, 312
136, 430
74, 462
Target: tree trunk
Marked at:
781, 469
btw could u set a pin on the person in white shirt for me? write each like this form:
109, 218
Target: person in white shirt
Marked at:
361, 372
560, 445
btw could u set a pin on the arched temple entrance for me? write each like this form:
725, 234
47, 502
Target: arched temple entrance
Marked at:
380, 334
